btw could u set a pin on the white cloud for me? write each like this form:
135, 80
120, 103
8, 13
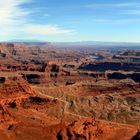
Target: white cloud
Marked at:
117, 21
14, 20
114, 5
117, 13
46, 15
38, 29
131, 12
10, 11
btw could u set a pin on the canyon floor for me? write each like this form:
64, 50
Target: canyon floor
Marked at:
100, 110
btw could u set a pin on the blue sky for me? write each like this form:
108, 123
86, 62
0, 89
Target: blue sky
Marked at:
70, 20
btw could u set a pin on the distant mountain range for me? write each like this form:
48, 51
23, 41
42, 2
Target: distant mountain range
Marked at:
99, 45
95, 44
